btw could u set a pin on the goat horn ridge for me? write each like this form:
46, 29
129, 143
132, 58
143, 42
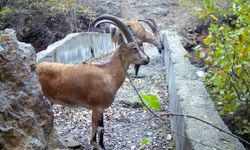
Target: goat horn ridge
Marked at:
154, 23
117, 22
104, 21
149, 23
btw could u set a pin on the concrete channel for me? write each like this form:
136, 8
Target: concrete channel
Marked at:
188, 96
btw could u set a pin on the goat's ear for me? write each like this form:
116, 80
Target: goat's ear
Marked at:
121, 40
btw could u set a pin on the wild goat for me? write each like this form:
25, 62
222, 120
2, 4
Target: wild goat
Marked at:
92, 86
142, 35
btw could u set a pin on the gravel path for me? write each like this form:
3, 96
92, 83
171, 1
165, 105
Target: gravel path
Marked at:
126, 125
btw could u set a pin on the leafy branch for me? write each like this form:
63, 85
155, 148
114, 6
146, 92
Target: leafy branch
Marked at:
228, 41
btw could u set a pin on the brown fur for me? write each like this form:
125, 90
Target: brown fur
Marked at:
141, 34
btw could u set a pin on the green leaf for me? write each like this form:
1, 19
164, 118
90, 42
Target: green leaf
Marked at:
218, 53
197, 53
198, 47
219, 103
202, 16
245, 121
245, 51
186, 55
144, 142
152, 101
207, 1
208, 40
214, 18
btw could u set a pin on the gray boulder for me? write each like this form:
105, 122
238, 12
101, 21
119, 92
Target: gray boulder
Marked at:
26, 118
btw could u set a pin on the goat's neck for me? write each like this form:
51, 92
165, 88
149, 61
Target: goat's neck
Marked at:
155, 40
118, 69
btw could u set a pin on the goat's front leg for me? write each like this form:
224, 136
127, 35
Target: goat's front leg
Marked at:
101, 132
97, 128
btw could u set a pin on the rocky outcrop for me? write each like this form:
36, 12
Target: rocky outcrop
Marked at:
26, 118
41, 29
42, 23
104, 7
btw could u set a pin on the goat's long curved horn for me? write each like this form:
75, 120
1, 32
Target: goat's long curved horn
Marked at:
104, 21
155, 25
117, 22
150, 24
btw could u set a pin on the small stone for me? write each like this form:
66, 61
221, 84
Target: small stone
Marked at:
169, 137
70, 142
133, 147
200, 73
149, 133
1, 48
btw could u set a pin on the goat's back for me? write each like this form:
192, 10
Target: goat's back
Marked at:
75, 85
137, 28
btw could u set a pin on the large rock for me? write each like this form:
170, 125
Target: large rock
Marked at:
26, 119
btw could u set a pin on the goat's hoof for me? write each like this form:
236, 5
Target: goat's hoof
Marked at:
103, 148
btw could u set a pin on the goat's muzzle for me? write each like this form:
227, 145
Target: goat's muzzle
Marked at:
160, 48
146, 61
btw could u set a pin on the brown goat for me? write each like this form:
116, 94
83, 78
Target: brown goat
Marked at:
92, 86
145, 36
141, 34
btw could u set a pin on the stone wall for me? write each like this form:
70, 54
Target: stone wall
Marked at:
188, 96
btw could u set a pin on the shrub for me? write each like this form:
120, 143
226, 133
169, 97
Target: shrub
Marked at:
228, 40
4, 14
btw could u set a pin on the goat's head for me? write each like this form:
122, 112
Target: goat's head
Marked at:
157, 40
131, 52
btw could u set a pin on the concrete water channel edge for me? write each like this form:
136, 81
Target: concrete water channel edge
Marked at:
77, 47
186, 90
188, 96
